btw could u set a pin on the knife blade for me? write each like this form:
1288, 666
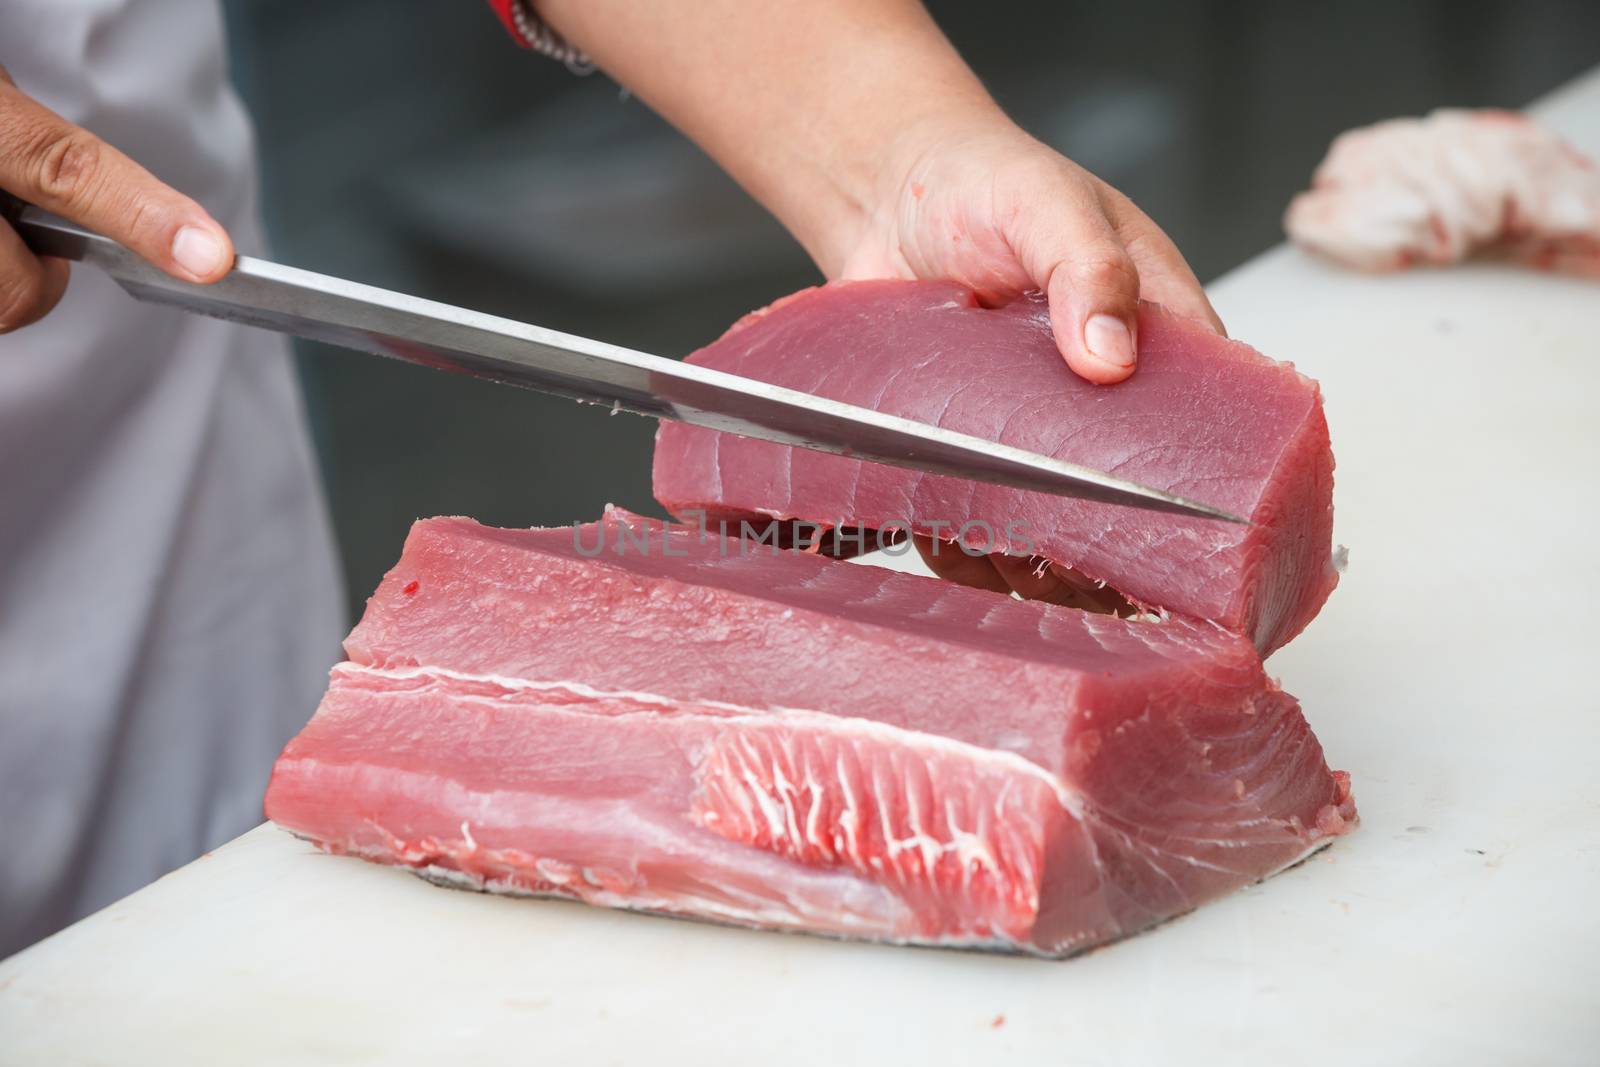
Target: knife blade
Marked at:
362, 317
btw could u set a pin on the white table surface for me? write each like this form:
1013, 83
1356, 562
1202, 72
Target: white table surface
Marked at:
1452, 674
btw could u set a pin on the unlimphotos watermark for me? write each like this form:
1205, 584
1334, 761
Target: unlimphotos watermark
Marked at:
972, 537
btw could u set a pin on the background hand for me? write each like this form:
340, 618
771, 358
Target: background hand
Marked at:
49, 162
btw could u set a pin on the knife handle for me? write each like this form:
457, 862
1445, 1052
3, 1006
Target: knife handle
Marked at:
11, 207
46, 235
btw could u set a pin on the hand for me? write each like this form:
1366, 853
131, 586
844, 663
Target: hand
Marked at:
991, 207
63, 169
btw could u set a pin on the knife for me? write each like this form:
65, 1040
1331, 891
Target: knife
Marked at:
299, 302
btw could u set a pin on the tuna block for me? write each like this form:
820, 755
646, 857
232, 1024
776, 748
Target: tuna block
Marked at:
1203, 417
641, 715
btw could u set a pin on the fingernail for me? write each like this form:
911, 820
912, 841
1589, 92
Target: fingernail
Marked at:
199, 252
1108, 340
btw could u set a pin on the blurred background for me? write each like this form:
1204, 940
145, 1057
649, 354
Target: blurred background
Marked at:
413, 146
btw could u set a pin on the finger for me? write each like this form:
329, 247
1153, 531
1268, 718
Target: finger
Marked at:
66, 170
1165, 277
945, 559
29, 286
1174, 287
1035, 579
1074, 255
1079, 590
1030, 577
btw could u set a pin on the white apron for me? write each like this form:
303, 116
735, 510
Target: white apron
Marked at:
169, 596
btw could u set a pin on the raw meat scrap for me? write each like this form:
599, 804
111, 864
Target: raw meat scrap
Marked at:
1204, 417
643, 716
1437, 189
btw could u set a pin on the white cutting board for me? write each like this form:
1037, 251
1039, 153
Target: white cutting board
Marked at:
1452, 674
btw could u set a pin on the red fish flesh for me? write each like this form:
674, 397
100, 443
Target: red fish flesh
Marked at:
645, 716
1204, 417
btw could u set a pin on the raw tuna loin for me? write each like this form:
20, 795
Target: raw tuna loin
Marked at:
641, 716
1203, 417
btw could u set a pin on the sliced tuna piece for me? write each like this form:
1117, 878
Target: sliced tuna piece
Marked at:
642, 716
1204, 417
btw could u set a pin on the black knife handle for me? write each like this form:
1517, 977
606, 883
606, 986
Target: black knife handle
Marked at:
44, 234
10, 207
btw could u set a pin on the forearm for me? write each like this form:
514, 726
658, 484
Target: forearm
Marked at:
810, 106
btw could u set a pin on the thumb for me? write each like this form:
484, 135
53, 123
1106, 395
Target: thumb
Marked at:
1075, 257
66, 170
1094, 309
